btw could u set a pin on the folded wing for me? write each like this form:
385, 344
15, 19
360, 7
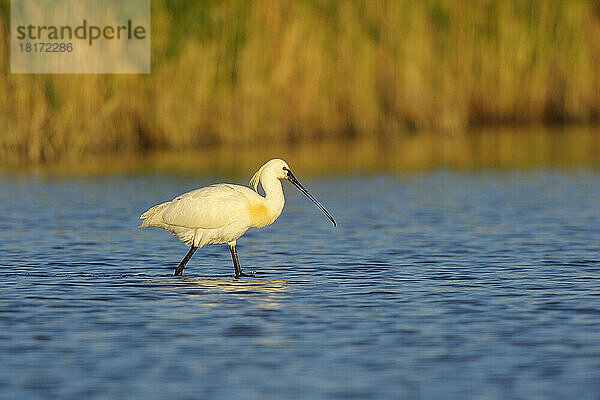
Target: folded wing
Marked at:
211, 207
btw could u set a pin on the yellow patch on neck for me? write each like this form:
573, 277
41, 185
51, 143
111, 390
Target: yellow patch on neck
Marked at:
259, 215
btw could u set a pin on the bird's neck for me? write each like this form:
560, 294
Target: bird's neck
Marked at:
273, 194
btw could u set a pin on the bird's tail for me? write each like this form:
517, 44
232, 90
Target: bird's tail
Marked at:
153, 217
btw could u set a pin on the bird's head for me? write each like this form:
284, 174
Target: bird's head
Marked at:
279, 167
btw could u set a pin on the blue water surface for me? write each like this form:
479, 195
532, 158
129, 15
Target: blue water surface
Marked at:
434, 285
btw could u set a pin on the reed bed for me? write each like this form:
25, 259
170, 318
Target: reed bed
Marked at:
243, 73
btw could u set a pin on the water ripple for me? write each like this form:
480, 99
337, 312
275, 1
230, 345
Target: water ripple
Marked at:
442, 285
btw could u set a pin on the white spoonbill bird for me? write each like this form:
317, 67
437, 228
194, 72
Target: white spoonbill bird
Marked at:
222, 213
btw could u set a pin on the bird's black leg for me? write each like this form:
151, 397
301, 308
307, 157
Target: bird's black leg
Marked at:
181, 266
236, 263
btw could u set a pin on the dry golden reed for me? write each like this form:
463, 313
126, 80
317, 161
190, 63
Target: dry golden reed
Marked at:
242, 73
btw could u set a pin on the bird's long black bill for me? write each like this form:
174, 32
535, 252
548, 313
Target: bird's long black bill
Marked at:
292, 178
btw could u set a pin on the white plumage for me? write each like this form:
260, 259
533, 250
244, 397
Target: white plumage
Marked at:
212, 215
221, 213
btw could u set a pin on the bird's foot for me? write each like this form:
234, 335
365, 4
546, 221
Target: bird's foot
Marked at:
249, 274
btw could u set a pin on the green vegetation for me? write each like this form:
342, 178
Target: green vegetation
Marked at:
246, 73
